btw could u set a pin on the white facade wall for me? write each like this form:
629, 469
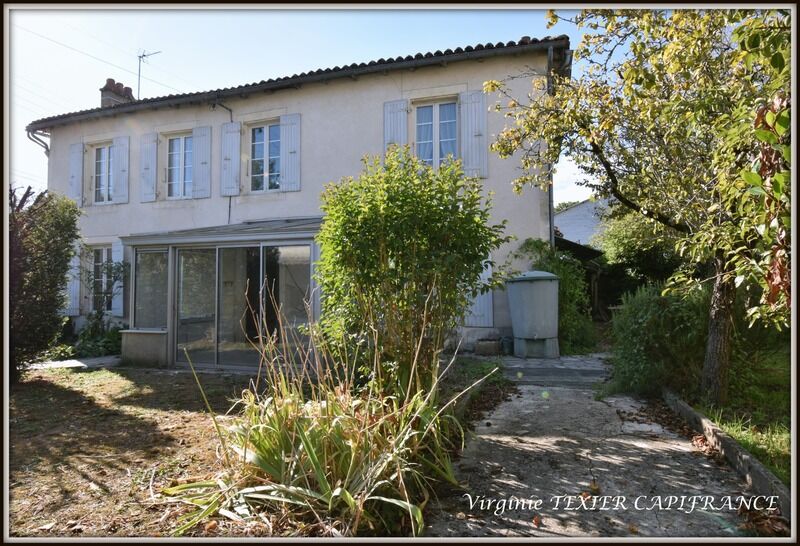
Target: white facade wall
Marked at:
341, 122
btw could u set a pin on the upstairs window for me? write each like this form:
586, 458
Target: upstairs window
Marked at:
103, 174
436, 132
265, 158
179, 167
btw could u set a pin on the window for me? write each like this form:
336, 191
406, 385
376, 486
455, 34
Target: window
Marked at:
265, 158
436, 132
102, 283
179, 167
103, 174
150, 290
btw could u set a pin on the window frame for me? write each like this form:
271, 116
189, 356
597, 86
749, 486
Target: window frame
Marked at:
436, 105
105, 281
134, 280
181, 167
265, 127
108, 198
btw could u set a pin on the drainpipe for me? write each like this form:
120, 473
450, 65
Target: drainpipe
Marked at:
36, 136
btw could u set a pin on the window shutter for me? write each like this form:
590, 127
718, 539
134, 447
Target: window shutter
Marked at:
148, 159
290, 152
231, 158
73, 308
480, 313
118, 289
474, 138
201, 162
75, 189
395, 123
121, 162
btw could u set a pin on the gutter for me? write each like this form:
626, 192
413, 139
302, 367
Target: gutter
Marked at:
294, 82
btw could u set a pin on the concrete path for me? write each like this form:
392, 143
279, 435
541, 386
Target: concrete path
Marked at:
95, 362
599, 468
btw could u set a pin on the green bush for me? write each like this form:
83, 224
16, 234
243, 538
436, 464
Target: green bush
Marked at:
576, 333
42, 231
659, 340
56, 353
98, 337
402, 250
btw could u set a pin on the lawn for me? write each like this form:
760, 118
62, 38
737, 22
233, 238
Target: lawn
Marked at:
758, 414
90, 450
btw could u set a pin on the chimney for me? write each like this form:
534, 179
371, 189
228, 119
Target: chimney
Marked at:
113, 93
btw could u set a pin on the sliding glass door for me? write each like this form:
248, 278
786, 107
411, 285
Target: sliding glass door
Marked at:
219, 299
196, 306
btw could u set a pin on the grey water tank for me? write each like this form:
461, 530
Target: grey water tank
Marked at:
533, 302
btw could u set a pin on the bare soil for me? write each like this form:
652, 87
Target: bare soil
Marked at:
90, 450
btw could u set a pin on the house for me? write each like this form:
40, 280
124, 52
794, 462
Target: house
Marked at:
204, 194
582, 221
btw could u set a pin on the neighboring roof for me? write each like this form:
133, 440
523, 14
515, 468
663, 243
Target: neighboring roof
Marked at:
525, 44
247, 231
582, 252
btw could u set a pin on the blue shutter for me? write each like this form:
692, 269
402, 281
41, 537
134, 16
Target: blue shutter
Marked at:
117, 256
201, 162
73, 308
148, 157
75, 188
481, 313
231, 158
290, 152
474, 138
121, 151
395, 123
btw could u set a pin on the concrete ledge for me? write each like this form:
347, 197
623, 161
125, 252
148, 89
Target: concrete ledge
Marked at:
147, 348
759, 478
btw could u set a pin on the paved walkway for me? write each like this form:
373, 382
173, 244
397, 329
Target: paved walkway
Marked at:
591, 463
95, 362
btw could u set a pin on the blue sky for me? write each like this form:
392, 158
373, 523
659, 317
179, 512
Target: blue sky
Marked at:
60, 58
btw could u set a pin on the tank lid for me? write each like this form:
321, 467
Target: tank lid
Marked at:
534, 276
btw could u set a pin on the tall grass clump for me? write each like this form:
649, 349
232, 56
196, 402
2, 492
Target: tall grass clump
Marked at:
343, 432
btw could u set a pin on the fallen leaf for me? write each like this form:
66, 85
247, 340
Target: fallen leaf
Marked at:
461, 515
586, 494
47, 526
633, 529
211, 525
594, 487
537, 520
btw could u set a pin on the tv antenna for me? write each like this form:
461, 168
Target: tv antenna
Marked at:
142, 57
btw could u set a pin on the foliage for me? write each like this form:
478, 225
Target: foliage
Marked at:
402, 250
659, 340
655, 119
98, 337
757, 198
58, 352
575, 329
42, 231
644, 248
318, 452
566, 204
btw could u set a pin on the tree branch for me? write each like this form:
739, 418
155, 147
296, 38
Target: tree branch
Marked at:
612, 177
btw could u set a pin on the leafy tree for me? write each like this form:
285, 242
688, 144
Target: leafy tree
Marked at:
658, 118
42, 232
641, 246
402, 250
566, 204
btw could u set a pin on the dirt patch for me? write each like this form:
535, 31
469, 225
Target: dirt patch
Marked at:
89, 450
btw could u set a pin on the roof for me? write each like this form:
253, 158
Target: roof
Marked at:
583, 252
479, 51
281, 228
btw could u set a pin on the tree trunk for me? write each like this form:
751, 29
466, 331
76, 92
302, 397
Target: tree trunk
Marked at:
718, 345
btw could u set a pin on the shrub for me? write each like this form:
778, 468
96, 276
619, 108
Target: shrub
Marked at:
98, 337
312, 454
56, 353
402, 250
575, 328
659, 340
42, 231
